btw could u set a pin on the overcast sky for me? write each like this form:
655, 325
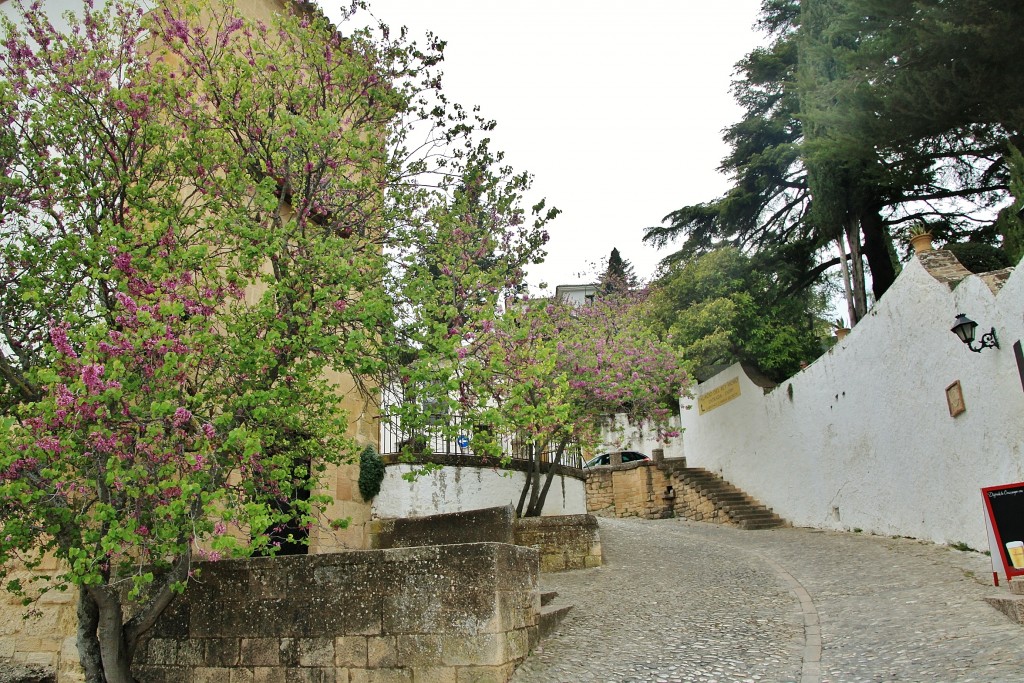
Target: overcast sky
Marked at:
616, 108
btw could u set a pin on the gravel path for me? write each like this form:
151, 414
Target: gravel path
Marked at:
684, 601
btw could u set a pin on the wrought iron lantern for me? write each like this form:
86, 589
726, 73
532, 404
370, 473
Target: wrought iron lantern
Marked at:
964, 328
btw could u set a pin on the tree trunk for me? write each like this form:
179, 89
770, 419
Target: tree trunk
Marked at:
860, 303
526, 484
88, 640
876, 250
844, 267
110, 627
536, 510
535, 477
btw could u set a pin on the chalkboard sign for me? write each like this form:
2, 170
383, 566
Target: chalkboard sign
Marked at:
1005, 507
1018, 353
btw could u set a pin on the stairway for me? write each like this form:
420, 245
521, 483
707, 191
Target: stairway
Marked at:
551, 613
728, 501
1011, 605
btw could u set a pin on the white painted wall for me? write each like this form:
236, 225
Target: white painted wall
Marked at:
626, 437
577, 295
457, 489
863, 437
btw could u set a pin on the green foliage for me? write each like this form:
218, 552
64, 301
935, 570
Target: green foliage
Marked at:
721, 308
618, 276
979, 258
1010, 225
371, 473
206, 221
546, 376
883, 112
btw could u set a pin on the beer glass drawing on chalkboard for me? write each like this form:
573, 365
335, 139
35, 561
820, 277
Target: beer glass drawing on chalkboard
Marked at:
1015, 549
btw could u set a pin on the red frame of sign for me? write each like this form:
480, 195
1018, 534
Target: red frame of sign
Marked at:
1007, 567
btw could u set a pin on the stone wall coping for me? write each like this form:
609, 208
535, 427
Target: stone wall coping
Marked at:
344, 557
621, 468
469, 526
481, 462
584, 521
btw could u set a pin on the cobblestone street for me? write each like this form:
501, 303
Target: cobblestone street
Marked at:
685, 601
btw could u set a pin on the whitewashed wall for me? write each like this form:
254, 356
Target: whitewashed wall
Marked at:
626, 437
863, 438
456, 489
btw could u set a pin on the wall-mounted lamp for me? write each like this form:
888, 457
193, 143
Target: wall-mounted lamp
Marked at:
965, 327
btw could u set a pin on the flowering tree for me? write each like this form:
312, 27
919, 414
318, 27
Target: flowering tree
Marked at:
204, 216
554, 374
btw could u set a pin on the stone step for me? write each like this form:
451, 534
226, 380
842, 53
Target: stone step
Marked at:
734, 498
762, 523
1011, 605
744, 506
547, 597
1017, 585
551, 616
702, 479
715, 486
740, 508
747, 513
758, 525
733, 493
765, 523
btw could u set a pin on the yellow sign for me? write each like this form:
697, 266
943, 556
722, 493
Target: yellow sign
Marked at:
719, 396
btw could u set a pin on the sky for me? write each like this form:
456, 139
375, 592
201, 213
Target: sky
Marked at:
617, 109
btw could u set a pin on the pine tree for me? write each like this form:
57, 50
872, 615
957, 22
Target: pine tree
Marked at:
619, 275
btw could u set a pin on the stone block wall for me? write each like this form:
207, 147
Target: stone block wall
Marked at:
691, 503
46, 637
473, 526
650, 490
635, 489
567, 542
451, 614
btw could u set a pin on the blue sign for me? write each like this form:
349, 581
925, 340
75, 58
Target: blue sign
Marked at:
462, 441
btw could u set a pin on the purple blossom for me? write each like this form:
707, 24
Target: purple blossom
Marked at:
65, 398
181, 417
91, 378
49, 443
59, 337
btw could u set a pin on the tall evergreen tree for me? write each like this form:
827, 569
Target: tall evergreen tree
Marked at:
847, 107
619, 275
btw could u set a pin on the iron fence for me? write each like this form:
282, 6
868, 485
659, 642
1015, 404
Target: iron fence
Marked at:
454, 436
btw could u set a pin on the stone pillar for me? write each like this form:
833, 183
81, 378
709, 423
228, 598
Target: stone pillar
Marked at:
616, 459
658, 454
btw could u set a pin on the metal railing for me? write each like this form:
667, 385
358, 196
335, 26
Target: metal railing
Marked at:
456, 438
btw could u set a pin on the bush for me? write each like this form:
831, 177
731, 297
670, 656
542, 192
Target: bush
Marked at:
371, 473
979, 258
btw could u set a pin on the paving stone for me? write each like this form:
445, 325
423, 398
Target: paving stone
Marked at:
681, 601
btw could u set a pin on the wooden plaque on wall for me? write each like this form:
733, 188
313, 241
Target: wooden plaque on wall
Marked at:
955, 399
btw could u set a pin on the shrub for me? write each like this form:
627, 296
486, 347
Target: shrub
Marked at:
371, 473
979, 258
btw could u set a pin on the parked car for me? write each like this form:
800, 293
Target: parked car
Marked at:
606, 458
